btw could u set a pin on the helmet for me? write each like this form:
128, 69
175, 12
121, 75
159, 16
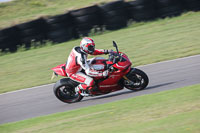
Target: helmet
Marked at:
87, 45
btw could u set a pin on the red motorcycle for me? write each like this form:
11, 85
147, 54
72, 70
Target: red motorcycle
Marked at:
121, 75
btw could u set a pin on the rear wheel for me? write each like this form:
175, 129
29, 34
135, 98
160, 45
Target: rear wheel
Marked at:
137, 80
64, 90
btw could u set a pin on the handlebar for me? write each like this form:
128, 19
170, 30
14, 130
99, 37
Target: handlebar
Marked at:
114, 58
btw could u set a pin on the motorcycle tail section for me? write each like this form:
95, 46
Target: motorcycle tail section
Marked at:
60, 70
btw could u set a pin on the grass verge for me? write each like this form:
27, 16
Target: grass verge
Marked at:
144, 43
174, 111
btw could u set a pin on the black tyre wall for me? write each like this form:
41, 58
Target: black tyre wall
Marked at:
33, 31
9, 39
85, 19
142, 10
60, 28
114, 15
113, 5
191, 5
169, 8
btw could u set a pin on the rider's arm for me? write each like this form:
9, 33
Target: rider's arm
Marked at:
100, 51
82, 61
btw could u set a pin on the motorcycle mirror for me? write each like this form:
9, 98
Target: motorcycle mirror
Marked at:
115, 45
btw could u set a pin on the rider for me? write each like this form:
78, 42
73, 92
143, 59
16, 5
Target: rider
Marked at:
77, 61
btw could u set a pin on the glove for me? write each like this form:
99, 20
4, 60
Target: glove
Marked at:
108, 51
105, 73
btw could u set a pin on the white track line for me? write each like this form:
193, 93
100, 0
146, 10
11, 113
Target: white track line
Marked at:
137, 66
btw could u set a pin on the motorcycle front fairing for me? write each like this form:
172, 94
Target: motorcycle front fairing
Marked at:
123, 62
113, 82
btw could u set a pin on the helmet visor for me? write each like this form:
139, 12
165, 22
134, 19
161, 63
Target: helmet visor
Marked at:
91, 49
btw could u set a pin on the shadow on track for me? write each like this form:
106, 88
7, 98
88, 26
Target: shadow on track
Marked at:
128, 92
159, 85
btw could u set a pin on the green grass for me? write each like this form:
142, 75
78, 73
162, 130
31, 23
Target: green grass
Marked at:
144, 43
174, 111
19, 11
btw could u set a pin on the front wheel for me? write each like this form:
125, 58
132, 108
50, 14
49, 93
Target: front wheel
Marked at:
137, 80
64, 91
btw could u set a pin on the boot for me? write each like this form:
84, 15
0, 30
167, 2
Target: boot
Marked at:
83, 92
92, 89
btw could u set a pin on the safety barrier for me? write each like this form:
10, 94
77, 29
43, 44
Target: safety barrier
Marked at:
60, 28
114, 15
78, 23
85, 19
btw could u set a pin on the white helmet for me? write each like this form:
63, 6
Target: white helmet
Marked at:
87, 45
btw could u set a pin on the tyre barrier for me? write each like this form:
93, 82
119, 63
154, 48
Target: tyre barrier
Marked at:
9, 39
142, 10
169, 8
33, 32
85, 19
76, 23
114, 15
191, 5
60, 28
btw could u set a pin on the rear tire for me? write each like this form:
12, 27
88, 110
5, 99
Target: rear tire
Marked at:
64, 90
139, 80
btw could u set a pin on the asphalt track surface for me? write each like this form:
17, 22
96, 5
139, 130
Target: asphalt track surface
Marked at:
40, 101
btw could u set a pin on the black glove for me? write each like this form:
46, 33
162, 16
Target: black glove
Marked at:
108, 51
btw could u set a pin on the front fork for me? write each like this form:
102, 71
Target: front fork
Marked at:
128, 81
125, 77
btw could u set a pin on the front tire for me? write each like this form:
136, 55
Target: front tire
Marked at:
64, 90
137, 80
